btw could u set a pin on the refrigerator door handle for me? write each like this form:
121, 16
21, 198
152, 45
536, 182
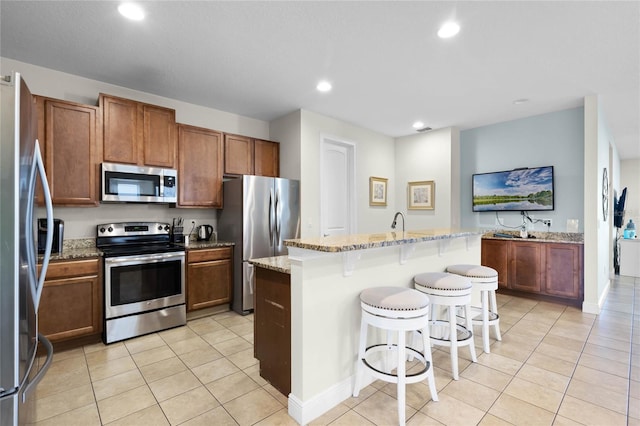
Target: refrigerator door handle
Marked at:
49, 207
271, 218
277, 217
43, 370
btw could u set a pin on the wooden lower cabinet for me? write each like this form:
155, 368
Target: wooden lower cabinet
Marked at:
272, 327
496, 254
71, 304
209, 277
550, 270
563, 273
525, 267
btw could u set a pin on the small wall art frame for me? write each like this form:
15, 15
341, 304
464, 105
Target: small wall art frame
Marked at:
377, 191
421, 195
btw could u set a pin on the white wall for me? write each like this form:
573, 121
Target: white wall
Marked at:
552, 139
630, 178
374, 157
423, 157
81, 222
599, 153
59, 85
286, 130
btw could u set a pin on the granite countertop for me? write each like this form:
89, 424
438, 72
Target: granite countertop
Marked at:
195, 245
276, 263
545, 237
341, 243
85, 248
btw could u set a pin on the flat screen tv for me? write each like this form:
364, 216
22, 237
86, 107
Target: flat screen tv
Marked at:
526, 189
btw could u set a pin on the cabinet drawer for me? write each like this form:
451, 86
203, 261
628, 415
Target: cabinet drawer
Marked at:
73, 268
205, 255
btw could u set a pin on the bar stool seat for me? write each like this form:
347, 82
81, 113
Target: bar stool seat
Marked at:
449, 291
397, 310
485, 281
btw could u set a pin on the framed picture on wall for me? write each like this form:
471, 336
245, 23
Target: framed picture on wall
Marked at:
421, 195
377, 191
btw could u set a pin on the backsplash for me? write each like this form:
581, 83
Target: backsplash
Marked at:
81, 222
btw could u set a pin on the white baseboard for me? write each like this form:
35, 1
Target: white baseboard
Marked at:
304, 412
593, 308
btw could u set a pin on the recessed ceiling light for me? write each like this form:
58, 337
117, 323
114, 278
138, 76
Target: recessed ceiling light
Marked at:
324, 86
418, 125
448, 29
520, 101
131, 11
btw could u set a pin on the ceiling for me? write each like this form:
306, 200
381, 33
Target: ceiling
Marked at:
387, 66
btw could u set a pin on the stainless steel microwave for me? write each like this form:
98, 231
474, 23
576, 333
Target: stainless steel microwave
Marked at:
138, 184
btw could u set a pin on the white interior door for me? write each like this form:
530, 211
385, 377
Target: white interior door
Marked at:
337, 187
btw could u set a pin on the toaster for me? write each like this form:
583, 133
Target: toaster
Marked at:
58, 235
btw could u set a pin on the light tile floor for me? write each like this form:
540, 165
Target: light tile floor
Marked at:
555, 365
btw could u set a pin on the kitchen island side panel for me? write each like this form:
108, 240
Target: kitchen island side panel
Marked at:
325, 311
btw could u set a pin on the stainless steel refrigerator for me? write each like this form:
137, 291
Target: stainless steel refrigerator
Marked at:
20, 285
259, 214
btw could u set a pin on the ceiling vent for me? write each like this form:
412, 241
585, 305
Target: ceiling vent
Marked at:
423, 129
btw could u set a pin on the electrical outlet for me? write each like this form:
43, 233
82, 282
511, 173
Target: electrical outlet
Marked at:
547, 222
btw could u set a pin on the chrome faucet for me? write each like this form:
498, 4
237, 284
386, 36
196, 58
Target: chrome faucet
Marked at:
395, 220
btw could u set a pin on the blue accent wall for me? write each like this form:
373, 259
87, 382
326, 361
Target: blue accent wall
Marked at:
553, 139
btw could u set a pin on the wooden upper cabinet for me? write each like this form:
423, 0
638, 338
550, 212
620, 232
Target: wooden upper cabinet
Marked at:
120, 130
159, 136
70, 135
238, 155
200, 163
138, 133
266, 158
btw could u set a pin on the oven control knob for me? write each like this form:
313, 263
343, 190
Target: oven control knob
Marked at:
159, 227
101, 230
110, 229
166, 227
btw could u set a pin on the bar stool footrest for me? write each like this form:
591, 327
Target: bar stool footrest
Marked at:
463, 333
390, 377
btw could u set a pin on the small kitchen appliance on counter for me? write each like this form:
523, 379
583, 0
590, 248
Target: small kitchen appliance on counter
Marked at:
204, 232
58, 235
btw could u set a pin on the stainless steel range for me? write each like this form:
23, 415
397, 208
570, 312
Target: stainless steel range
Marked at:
144, 279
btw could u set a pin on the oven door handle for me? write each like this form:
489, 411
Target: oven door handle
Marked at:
146, 258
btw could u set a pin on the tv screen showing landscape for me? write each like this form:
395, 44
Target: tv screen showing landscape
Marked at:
514, 190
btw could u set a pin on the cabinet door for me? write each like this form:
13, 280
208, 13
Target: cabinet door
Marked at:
495, 254
159, 136
121, 137
71, 303
208, 284
71, 153
525, 267
563, 270
272, 327
238, 155
200, 165
266, 158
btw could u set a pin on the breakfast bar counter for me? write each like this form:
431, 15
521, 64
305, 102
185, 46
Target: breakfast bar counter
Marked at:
327, 276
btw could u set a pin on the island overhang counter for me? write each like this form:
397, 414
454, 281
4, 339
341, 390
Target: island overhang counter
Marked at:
327, 276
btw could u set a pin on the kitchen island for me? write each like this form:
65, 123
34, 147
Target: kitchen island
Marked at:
327, 276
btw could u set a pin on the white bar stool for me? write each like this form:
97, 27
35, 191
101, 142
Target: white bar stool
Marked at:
450, 291
484, 280
395, 309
